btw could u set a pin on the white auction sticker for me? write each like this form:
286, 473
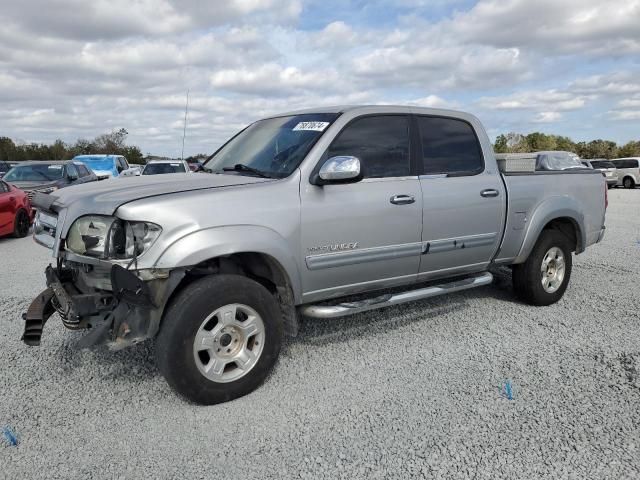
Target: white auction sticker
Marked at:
314, 126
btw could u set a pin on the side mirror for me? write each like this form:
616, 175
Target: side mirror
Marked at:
72, 177
340, 169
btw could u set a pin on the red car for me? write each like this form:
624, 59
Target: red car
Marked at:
15, 211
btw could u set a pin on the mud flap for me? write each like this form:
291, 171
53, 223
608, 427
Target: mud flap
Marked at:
36, 316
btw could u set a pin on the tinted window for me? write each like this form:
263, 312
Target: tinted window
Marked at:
602, 164
83, 170
381, 143
72, 171
162, 168
4, 188
626, 163
449, 146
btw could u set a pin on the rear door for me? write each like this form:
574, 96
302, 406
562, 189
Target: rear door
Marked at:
463, 200
363, 235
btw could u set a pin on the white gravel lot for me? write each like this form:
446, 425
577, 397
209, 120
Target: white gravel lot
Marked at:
410, 391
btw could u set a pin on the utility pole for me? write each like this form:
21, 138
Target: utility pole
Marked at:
184, 131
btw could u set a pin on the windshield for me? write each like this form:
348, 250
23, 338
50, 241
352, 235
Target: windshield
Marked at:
97, 163
161, 168
34, 173
274, 146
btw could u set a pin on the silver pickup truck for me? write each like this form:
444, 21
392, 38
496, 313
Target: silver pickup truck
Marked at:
317, 213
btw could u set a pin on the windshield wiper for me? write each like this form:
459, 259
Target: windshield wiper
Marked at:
241, 167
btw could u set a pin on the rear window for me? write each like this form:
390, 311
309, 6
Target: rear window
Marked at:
449, 146
162, 168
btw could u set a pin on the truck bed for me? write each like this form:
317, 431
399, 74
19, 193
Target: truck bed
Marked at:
533, 196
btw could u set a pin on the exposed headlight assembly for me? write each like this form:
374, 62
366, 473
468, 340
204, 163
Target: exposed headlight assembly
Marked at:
111, 238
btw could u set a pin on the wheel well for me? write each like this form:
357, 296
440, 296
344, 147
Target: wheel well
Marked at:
260, 267
569, 228
629, 176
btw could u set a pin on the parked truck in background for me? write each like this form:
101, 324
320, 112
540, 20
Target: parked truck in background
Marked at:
317, 213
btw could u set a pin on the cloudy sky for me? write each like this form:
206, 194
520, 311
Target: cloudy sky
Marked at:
78, 68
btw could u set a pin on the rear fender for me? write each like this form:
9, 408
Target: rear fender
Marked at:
551, 209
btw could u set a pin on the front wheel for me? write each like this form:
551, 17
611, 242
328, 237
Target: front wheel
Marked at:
219, 338
543, 278
21, 224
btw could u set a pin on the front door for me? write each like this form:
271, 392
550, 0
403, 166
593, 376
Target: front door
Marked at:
363, 235
7, 207
463, 202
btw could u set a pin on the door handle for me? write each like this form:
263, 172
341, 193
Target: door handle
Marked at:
402, 199
489, 192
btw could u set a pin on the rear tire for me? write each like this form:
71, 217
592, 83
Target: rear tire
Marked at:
628, 182
543, 278
219, 338
21, 224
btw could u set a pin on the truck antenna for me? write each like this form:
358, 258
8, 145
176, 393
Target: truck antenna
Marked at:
184, 131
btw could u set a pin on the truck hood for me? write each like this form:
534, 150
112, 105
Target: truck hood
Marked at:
104, 197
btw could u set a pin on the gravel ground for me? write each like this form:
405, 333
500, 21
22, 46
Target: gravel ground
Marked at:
404, 392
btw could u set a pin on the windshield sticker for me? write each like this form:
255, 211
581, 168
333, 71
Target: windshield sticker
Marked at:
54, 167
313, 126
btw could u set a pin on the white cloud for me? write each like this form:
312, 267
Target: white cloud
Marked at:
432, 101
83, 68
568, 26
547, 117
108, 19
536, 100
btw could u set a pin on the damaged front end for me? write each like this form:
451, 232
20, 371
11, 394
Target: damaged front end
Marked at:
96, 283
126, 310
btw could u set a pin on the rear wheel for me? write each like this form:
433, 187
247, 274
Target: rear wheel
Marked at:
543, 278
219, 339
628, 182
21, 225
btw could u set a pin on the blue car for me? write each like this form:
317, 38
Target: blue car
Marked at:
107, 166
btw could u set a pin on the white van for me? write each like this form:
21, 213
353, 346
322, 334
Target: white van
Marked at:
628, 171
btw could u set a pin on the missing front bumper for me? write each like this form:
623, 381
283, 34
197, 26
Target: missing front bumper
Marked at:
36, 316
129, 314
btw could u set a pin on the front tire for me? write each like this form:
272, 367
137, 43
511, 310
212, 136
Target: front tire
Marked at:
21, 224
543, 278
219, 338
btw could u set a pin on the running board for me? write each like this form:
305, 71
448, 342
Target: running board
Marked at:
349, 308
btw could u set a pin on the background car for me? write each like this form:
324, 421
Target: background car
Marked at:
195, 166
15, 211
159, 167
628, 171
4, 168
107, 166
48, 176
607, 168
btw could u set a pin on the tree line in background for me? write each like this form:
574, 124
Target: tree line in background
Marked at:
114, 143
536, 142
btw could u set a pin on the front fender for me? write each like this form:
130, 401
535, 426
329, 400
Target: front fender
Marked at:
203, 245
551, 209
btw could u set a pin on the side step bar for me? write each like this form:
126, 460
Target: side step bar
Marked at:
349, 308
